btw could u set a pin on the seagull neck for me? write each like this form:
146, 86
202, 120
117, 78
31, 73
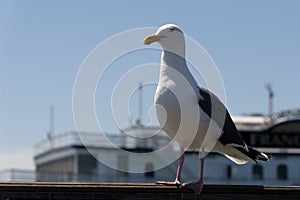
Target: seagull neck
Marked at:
171, 61
169, 58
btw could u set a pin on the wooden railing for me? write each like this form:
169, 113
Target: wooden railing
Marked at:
84, 191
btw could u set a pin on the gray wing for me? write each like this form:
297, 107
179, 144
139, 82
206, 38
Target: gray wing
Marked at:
230, 133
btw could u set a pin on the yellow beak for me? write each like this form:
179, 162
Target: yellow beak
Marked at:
151, 38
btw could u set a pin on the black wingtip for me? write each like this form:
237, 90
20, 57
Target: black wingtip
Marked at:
256, 155
263, 156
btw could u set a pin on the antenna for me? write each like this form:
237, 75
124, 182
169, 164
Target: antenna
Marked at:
51, 122
140, 108
271, 96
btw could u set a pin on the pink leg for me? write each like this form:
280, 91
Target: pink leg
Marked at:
198, 185
177, 181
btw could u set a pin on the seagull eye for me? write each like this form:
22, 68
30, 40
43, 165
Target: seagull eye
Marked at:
172, 29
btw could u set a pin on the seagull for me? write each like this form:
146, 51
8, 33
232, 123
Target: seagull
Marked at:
182, 101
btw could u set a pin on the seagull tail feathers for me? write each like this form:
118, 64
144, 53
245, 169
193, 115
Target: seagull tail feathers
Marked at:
241, 154
254, 154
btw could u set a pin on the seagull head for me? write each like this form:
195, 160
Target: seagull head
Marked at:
170, 37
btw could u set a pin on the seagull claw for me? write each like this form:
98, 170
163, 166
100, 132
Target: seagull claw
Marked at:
176, 183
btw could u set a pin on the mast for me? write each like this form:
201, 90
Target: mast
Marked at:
140, 104
270, 99
51, 122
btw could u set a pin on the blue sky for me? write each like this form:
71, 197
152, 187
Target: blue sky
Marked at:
43, 43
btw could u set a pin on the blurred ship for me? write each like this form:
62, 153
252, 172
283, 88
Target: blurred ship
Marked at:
67, 156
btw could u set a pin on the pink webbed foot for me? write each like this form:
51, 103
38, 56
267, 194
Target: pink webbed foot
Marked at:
195, 186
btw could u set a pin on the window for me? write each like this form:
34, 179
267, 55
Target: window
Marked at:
282, 172
149, 170
257, 172
229, 172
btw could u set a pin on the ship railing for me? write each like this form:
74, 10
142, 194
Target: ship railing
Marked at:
99, 141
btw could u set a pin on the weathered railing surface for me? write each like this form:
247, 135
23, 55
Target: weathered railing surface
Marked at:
84, 191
